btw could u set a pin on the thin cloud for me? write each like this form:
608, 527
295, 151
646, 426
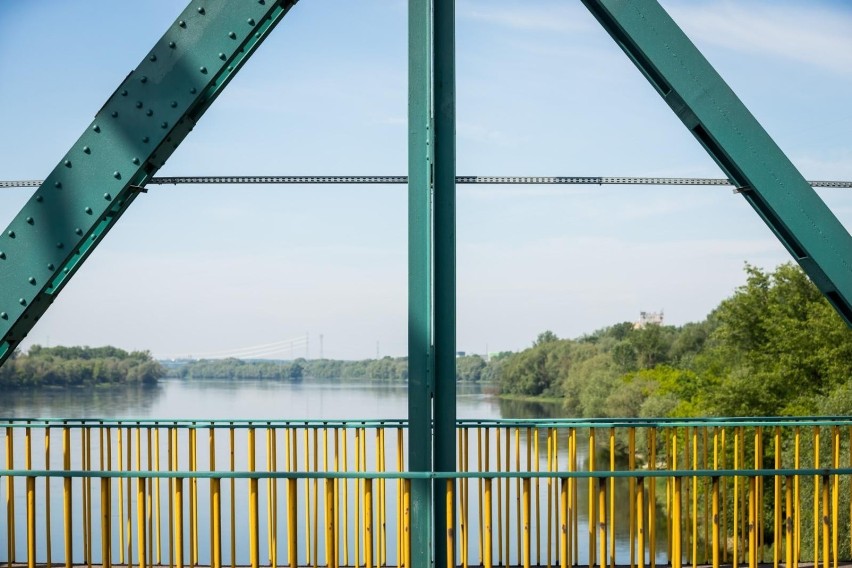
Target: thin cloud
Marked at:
814, 36
528, 18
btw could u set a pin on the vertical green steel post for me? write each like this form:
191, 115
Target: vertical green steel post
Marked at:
444, 260
420, 276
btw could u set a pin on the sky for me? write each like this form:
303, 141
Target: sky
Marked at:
542, 90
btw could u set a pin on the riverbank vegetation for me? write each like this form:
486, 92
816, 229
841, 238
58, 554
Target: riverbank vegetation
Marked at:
469, 368
79, 366
775, 347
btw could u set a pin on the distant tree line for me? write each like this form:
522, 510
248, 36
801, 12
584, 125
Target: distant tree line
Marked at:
79, 366
775, 347
469, 368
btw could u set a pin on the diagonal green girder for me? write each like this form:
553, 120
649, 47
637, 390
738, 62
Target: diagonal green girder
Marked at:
131, 137
723, 125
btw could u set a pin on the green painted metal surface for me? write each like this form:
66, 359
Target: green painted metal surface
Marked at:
723, 125
420, 275
131, 137
444, 76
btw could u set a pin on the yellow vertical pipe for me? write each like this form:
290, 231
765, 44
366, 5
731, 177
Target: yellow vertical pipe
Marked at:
486, 532
406, 505
178, 526
564, 524
272, 498
400, 498
717, 520
631, 484
508, 515
525, 506
816, 498
128, 520
517, 495
66, 496
149, 488
451, 545
368, 523
760, 482
464, 488
275, 483
735, 558
611, 518
330, 531
652, 499
694, 531
707, 495
835, 498
687, 508
537, 511
487, 467
254, 548
776, 548
724, 501
592, 534
677, 557
308, 502
480, 484
796, 487
10, 497
671, 464
193, 494
752, 522
31, 522
270, 538
383, 540
345, 484
788, 525
602, 521
106, 524
140, 523
233, 511
30, 497
499, 499
825, 521
215, 505
315, 500
171, 490
84, 498
358, 490
551, 450
640, 519
215, 522
575, 500
292, 530
47, 538
157, 520
715, 513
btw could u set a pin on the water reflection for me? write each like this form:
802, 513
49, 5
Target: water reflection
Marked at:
82, 402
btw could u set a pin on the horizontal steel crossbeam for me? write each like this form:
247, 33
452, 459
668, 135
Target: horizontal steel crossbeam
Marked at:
493, 180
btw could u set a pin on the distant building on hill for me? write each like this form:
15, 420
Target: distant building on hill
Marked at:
648, 318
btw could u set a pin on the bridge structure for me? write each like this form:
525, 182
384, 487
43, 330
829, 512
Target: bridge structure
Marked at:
138, 128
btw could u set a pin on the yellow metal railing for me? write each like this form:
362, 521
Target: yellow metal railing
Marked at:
336, 493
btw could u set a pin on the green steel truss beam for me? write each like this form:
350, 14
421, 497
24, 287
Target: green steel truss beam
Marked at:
131, 137
420, 364
723, 125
